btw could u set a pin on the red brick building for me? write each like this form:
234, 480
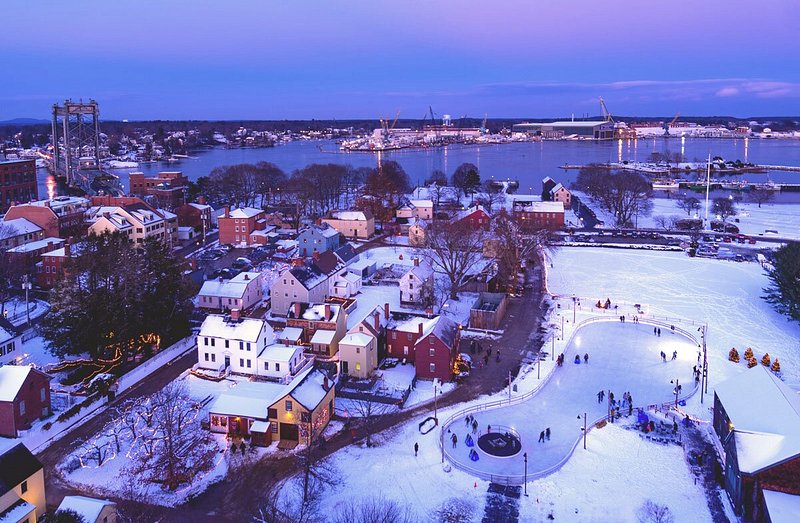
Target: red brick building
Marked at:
476, 216
24, 398
195, 215
235, 226
168, 188
17, 182
60, 217
539, 215
52, 266
431, 344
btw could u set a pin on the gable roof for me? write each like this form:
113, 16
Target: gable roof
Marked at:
557, 188
17, 227
310, 390
460, 215
423, 271
16, 465
327, 262
89, 508
309, 276
244, 329
245, 212
352, 215
346, 253
764, 436
12, 377
233, 288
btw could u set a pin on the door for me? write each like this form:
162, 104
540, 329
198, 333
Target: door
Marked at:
344, 367
227, 361
289, 432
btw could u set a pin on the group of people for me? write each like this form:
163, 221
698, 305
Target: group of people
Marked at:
470, 421
615, 407
657, 331
635, 319
578, 358
545, 434
664, 356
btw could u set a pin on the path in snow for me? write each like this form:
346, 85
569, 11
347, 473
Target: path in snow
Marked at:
502, 504
622, 357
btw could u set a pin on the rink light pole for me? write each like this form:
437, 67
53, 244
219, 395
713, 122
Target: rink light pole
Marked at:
703, 329
525, 456
584, 429
677, 390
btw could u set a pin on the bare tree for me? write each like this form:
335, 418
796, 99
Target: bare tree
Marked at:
454, 510
651, 512
368, 412
624, 194
284, 505
371, 510
516, 244
724, 208
688, 203
452, 248
760, 195
662, 222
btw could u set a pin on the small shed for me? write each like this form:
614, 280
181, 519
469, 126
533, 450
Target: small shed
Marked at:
488, 311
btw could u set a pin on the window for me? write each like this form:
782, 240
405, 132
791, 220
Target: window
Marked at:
288, 405
409, 336
272, 413
206, 356
432, 352
42, 394
241, 345
433, 368
266, 365
24, 486
358, 365
248, 345
22, 407
277, 367
241, 362
405, 350
274, 428
213, 357
430, 340
305, 418
205, 341
248, 363
410, 285
212, 342
227, 344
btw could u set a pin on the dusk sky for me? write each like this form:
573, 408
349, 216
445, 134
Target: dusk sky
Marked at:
171, 59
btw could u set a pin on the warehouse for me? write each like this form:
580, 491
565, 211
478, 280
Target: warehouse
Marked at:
589, 130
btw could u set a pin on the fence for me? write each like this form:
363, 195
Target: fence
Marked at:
518, 479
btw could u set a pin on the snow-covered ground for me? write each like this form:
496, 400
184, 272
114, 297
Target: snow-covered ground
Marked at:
725, 295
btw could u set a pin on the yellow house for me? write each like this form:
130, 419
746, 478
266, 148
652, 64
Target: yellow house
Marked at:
302, 415
21, 486
358, 354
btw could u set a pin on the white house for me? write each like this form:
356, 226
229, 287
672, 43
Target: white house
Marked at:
416, 285
10, 345
279, 361
358, 354
240, 292
352, 224
90, 509
423, 209
345, 284
232, 342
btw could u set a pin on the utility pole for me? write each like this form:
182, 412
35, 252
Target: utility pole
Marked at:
509, 386
27, 286
574, 301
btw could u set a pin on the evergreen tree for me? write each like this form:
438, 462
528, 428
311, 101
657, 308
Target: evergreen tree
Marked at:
784, 292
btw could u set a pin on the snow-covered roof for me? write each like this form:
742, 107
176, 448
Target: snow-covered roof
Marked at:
201, 206
769, 434
244, 329
421, 203
325, 337
233, 288
290, 334
249, 399
328, 312
557, 188
361, 216
11, 379
245, 212
357, 339
460, 215
263, 232
18, 511
5, 335
362, 264
423, 271
89, 508
309, 276
16, 227
280, 352
261, 427
350, 277
38, 244
542, 206
782, 507
310, 390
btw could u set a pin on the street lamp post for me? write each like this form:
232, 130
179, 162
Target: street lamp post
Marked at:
509, 385
677, 390
526, 473
574, 301
584, 429
435, 405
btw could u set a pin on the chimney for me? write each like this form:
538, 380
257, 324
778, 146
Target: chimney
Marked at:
315, 255
386, 310
220, 279
327, 311
227, 211
246, 276
296, 309
67, 249
416, 262
235, 314
377, 320
420, 329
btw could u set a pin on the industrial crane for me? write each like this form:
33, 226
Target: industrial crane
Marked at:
603, 109
668, 125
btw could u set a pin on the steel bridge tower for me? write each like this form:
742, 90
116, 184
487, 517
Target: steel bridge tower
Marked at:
76, 138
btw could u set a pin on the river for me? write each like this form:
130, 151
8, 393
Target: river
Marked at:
527, 162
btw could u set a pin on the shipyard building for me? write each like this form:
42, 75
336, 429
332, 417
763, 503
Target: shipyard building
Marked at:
587, 130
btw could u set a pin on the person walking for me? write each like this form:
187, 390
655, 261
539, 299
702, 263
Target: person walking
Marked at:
455, 440
541, 437
654, 331
547, 433
474, 426
659, 332
416, 449
600, 396
674, 355
586, 357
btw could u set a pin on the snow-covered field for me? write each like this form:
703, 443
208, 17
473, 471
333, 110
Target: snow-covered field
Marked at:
725, 295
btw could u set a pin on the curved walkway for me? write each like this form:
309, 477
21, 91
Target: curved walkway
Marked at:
622, 357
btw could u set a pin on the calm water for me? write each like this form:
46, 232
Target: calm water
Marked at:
527, 162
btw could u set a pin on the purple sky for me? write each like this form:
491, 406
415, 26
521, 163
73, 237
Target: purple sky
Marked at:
236, 59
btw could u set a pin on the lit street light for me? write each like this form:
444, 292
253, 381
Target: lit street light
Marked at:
677, 390
526, 473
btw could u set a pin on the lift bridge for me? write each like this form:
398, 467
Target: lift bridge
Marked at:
76, 148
